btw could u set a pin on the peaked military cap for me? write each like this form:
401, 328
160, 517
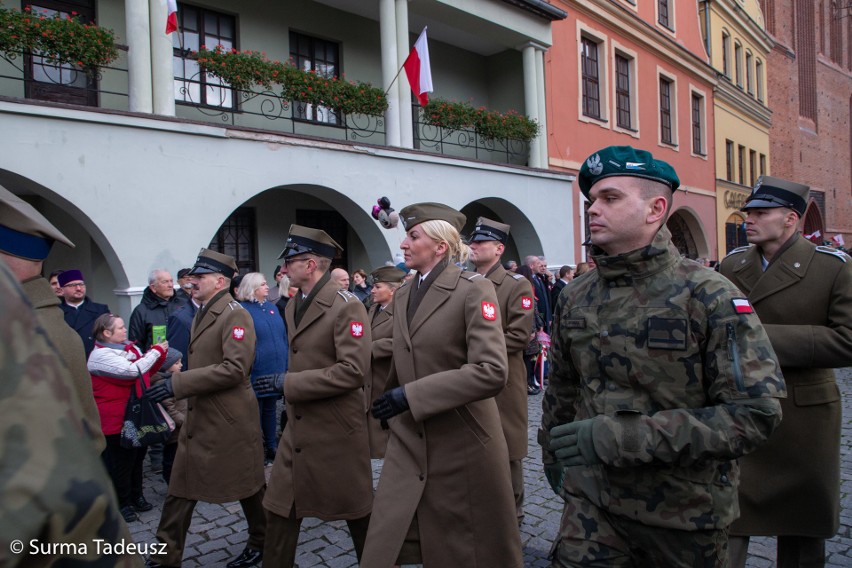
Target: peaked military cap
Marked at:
776, 192
301, 240
413, 215
488, 230
624, 161
24, 232
212, 262
388, 274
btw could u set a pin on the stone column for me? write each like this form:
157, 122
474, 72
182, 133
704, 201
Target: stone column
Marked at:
406, 128
387, 25
162, 70
542, 106
531, 99
138, 56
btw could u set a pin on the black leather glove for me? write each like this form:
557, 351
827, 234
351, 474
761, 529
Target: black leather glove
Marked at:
270, 384
161, 391
390, 404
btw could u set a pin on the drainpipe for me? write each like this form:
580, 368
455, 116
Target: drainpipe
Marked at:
707, 41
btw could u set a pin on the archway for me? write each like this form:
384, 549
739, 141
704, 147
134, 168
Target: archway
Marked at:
523, 239
814, 224
688, 234
735, 235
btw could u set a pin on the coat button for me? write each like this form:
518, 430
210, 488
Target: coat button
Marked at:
407, 349
422, 477
189, 436
298, 450
189, 408
420, 434
295, 350
298, 417
604, 333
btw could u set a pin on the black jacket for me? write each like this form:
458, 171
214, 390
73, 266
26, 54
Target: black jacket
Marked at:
82, 319
152, 311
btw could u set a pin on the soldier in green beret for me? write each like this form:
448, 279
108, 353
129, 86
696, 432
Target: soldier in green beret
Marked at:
661, 377
803, 295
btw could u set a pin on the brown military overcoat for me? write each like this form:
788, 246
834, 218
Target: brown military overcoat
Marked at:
381, 327
515, 296
70, 348
446, 459
323, 459
790, 485
220, 454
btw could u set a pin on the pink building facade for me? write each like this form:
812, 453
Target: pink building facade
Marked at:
637, 74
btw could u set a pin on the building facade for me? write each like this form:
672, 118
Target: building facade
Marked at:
739, 48
623, 72
151, 159
810, 94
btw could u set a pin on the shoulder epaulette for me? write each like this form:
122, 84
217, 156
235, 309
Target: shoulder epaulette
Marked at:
833, 252
346, 294
471, 275
235, 305
738, 250
517, 276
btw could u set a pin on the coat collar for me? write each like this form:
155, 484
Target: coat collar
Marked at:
212, 310
39, 293
623, 269
321, 303
497, 274
787, 269
438, 293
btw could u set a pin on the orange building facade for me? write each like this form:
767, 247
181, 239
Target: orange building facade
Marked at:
636, 73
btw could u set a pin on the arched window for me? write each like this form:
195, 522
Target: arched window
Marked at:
726, 54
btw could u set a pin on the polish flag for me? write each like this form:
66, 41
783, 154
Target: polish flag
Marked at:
171, 20
838, 240
418, 70
814, 237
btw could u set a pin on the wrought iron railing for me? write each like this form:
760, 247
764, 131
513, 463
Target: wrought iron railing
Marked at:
205, 98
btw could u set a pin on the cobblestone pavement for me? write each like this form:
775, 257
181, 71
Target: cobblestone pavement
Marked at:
218, 532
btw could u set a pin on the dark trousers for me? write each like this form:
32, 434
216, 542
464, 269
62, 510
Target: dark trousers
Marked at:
177, 516
169, 453
125, 469
793, 552
283, 534
268, 407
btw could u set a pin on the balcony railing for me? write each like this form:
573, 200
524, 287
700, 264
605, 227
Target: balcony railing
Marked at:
206, 99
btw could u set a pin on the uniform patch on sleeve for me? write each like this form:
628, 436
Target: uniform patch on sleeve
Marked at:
574, 323
238, 333
526, 303
356, 328
489, 311
742, 306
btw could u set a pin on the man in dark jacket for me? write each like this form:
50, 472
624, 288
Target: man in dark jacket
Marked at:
566, 275
80, 311
149, 319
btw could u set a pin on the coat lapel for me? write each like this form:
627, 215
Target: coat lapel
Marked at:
788, 269
400, 307
320, 304
210, 315
438, 293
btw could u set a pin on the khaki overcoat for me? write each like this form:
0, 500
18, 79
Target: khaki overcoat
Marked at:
381, 327
790, 485
323, 459
220, 454
515, 296
70, 348
446, 459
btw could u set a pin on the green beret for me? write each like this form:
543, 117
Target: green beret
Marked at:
24, 232
624, 161
419, 212
488, 230
388, 274
212, 262
301, 240
771, 192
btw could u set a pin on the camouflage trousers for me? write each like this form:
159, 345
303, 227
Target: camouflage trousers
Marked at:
591, 537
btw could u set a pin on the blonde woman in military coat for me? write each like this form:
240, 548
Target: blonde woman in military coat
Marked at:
445, 494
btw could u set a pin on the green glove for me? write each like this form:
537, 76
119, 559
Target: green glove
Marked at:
555, 474
573, 443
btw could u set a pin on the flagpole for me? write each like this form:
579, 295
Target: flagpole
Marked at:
395, 77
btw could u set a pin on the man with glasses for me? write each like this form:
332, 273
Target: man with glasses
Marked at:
322, 468
220, 456
80, 311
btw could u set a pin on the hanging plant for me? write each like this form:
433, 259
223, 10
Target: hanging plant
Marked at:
489, 124
244, 69
59, 39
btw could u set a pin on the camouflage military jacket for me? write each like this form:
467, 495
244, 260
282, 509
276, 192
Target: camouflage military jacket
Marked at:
679, 378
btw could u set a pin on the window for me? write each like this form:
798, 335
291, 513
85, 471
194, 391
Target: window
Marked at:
663, 15
752, 167
624, 117
591, 78
64, 83
763, 164
726, 54
741, 158
666, 121
738, 64
758, 78
237, 237
735, 235
698, 124
334, 224
729, 160
749, 61
200, 26
322, 57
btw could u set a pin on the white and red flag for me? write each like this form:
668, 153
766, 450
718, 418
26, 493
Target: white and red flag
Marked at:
838, 240
418, 70
814, 237
171, 20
